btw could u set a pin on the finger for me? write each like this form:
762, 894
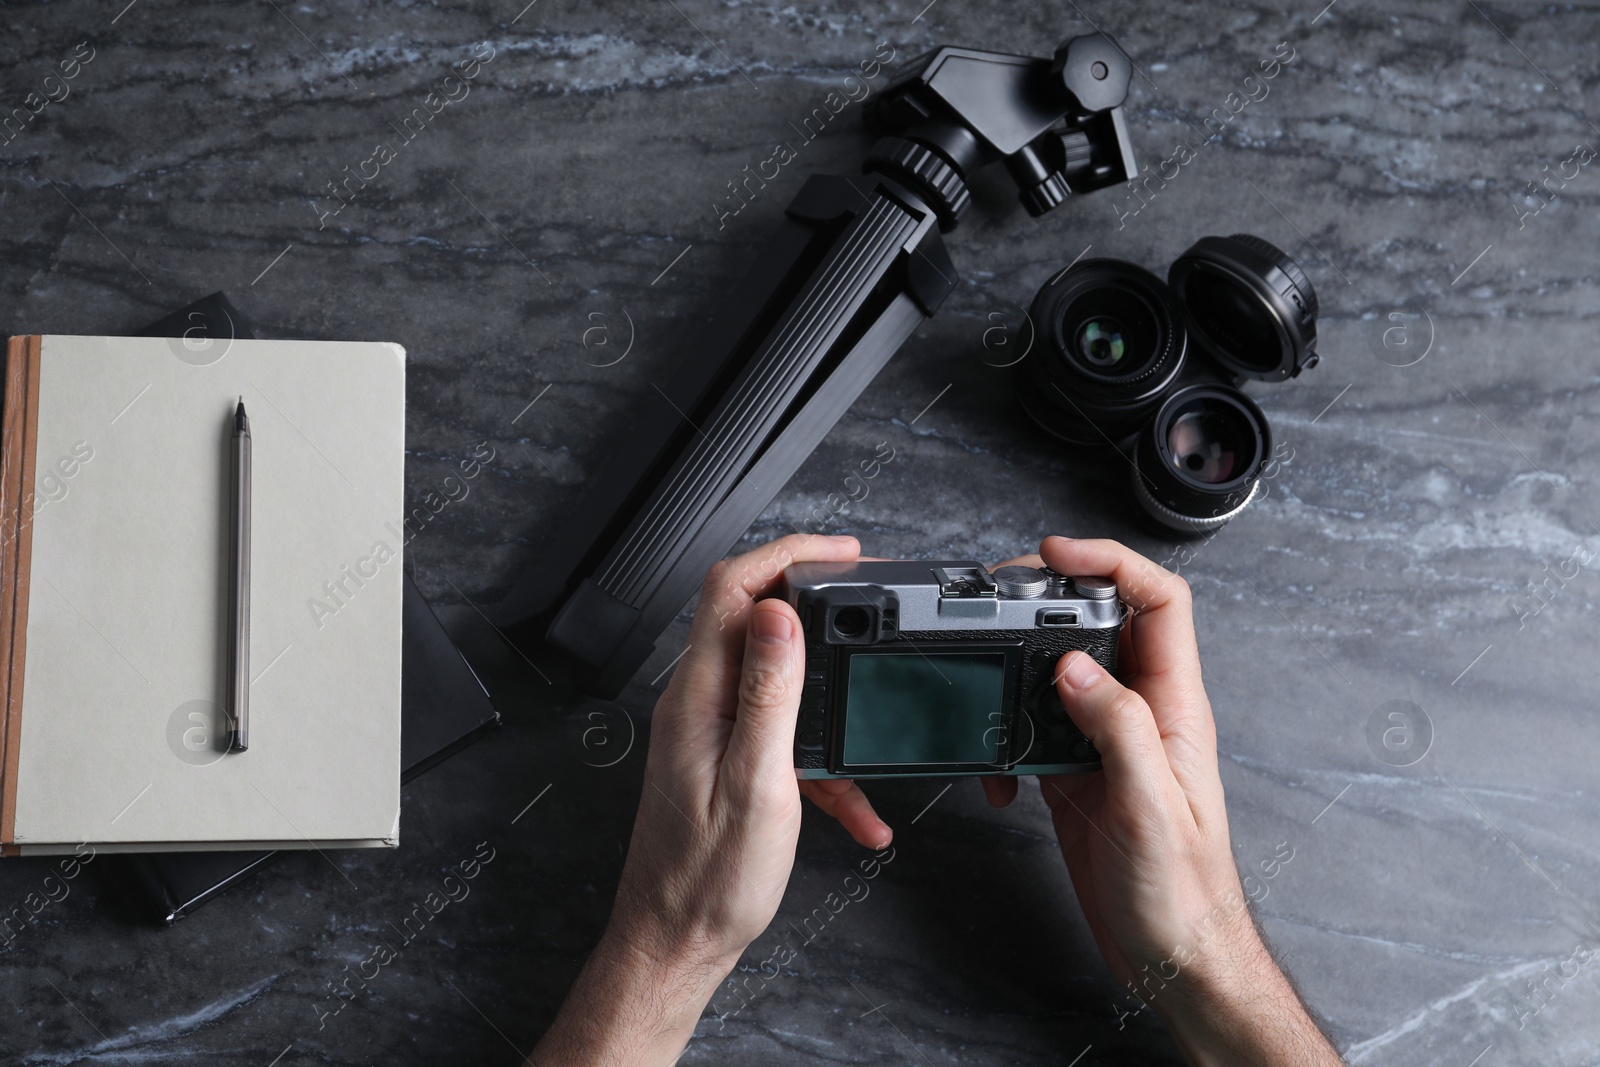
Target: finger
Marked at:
1123, 730
751, 576
1000, 789
1127, 655
707, 675
1071, 798
845, 801
732, 585
1165, 663
1164, 641
1017, 561
1058, 789
761, 745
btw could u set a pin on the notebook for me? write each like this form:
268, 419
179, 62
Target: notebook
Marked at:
114, 486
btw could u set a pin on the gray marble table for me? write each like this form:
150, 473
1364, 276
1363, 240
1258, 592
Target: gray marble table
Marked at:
1443, 458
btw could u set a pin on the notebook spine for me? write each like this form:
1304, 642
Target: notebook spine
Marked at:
19, 435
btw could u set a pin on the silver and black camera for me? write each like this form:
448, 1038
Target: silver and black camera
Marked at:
920, 669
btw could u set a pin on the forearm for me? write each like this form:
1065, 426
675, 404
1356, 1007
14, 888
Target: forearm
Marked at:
628, 1007
1242, 1012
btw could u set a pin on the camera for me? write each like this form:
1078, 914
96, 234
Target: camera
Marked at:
1153, 369
938, 668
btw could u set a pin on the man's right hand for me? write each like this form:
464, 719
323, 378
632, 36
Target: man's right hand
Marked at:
1146, 841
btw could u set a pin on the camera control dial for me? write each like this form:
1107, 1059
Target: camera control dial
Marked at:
1021, 582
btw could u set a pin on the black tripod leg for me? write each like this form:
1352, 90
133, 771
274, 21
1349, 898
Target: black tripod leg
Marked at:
656, 434
883, 274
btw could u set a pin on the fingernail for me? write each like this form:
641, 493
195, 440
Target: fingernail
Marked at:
843, 539
1081, 671
771, 627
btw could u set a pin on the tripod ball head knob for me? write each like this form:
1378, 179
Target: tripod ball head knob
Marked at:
1094, 69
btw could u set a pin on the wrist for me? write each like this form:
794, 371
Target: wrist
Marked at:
636, 1001
1232, 1005
687, 964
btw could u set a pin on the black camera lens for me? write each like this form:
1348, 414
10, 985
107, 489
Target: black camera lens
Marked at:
1112, 341
1199, 461
1250, 307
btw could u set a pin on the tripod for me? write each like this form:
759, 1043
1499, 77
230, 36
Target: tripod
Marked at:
857, 265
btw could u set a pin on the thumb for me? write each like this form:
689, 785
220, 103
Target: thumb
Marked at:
769, 691
1120, 724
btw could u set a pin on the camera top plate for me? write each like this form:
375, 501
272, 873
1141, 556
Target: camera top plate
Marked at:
933, 595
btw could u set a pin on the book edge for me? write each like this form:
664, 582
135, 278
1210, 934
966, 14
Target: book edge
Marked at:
19, 435
112, 848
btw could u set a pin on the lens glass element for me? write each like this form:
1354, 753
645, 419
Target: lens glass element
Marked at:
1100, 341
1210, 445
1110, 333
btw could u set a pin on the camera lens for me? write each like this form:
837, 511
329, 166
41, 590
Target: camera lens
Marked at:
1250, 307
1199, 461
1112, 341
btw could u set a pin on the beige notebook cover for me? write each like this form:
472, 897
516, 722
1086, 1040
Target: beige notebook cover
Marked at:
114, 598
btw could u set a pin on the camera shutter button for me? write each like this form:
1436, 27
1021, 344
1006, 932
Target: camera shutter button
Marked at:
1096, 588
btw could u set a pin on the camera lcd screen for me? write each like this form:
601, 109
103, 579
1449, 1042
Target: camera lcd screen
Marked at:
913, 707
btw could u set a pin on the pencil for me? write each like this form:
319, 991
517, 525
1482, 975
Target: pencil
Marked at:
239, 660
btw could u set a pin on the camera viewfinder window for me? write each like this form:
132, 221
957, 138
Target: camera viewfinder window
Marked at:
906, 708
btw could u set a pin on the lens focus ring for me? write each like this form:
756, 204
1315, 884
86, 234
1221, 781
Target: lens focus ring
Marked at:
1185, 524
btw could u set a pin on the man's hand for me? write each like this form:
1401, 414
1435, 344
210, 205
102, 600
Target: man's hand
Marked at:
1146, 841
719, 818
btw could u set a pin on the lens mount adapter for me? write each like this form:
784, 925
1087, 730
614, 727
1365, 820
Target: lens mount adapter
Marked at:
1112, 342
1249, 306
1199, 461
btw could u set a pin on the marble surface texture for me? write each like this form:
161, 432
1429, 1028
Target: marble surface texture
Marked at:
1431, 914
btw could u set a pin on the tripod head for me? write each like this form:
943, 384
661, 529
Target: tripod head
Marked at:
1056, 123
